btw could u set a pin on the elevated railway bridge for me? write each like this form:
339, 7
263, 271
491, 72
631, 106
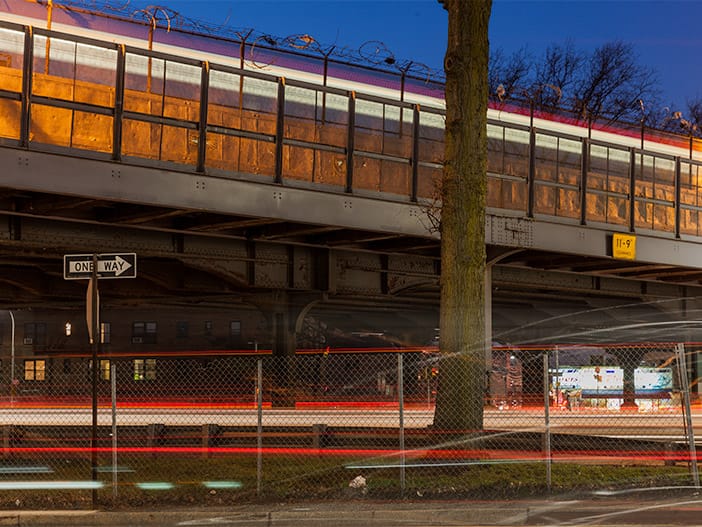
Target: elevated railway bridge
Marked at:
297, 205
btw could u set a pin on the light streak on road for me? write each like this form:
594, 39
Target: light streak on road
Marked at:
25, 470
222, 484
50, 485
155, 485
661, 426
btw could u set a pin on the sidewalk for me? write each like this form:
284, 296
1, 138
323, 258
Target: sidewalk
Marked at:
284, 515
682, 509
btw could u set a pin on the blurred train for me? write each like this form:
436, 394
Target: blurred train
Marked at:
167, 45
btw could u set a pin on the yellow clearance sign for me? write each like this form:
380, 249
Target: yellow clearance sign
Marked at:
624, 246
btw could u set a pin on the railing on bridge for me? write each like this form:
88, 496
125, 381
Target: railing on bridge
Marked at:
97, 99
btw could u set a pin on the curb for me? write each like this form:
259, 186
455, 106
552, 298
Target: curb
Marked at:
683, 510
328, 514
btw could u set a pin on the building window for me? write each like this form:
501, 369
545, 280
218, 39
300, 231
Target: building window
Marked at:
35, 334
105, 369
235, 328
144, 369
181, 329
144, 332
34, 370
105, 330
208, 328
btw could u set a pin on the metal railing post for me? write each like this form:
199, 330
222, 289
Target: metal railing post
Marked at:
584, 169
531, 175
350, 141
28, 67
280, 131
204, 107
415, 152
632, 189
118, 123
676, 202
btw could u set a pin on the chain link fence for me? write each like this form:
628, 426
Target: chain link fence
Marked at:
321, 424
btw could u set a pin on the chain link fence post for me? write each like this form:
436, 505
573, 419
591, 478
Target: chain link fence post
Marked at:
401, 404
259, 426
547, 420
113, 389
685, 390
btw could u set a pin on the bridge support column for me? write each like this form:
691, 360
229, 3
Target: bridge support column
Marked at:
488, 319
493, 254
284, 313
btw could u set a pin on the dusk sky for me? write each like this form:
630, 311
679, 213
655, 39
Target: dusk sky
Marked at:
666, 34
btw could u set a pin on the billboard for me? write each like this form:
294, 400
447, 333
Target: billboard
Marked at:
603, 381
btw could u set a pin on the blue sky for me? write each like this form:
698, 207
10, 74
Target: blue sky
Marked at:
666, 34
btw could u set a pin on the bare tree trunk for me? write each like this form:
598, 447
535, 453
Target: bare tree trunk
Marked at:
459, 406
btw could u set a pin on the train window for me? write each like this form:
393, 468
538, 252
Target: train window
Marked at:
144, 369
35, 333
235, 328
105, 370
34, 370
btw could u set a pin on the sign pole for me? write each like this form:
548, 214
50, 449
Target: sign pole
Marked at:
92, 267
94, 341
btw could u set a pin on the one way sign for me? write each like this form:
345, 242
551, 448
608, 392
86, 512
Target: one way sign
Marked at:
80, 266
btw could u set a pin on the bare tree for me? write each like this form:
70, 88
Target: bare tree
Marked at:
509, 72
558, 68
694, 112
459, 405
687, 121
607, 83
612, 84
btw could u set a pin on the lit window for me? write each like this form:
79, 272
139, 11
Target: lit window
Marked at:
105, 330
144, 369
105, 370
34, 370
